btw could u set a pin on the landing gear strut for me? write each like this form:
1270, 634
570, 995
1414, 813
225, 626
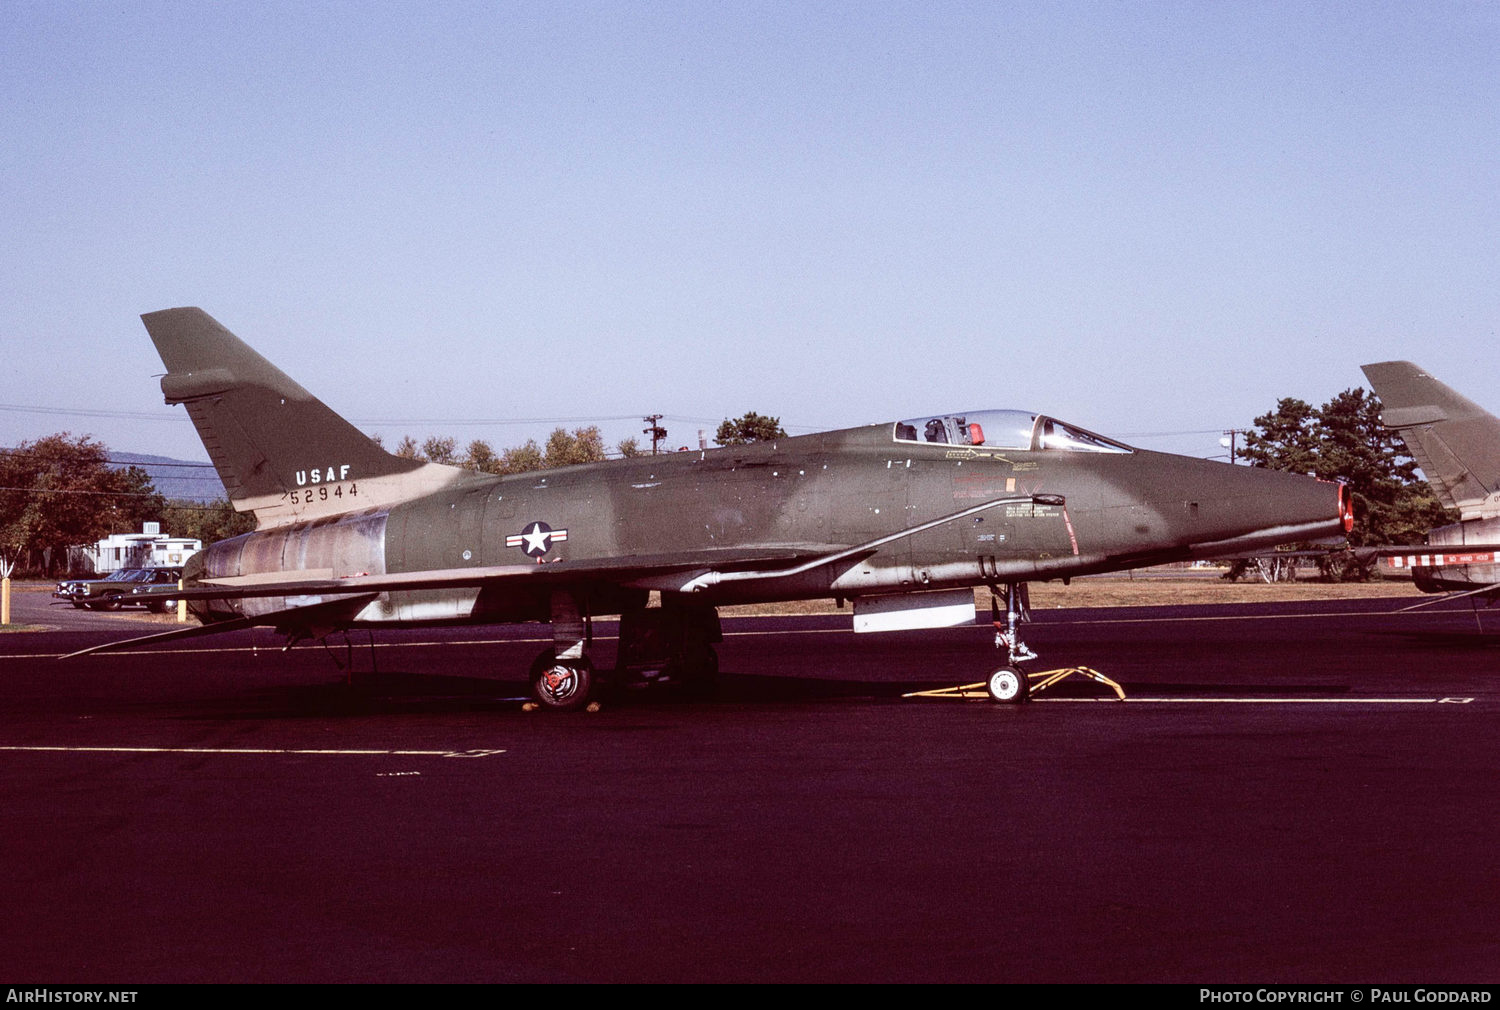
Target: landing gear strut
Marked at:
1009, 684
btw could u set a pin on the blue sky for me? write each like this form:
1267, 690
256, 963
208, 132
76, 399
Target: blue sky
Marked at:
1141, 217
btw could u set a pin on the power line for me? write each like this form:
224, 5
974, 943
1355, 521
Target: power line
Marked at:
153, 464
140, 415
381, 421
167, 503
475, 422
64, 490
1167, 434
143, 464
481, 421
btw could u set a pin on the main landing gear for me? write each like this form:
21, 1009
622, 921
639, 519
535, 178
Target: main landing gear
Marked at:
562, 685
562, 677
670, 646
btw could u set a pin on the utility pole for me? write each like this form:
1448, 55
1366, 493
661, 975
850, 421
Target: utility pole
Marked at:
6, 567
656, 432
1229, 439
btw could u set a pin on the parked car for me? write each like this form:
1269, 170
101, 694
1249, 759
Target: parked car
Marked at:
115, 590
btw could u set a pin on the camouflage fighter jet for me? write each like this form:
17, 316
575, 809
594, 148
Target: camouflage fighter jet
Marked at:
903, 519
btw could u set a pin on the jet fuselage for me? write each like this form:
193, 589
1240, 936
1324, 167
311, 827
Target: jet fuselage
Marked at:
799, 495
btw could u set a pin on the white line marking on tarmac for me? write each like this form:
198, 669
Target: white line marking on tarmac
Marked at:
264, 750
1238, 617
1259, 701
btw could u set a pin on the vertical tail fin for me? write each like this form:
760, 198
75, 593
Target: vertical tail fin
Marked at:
279, 450
1455, 441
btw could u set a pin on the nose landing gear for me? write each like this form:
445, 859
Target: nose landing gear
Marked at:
1009, 684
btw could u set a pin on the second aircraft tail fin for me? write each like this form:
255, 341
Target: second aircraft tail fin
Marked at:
1455, 441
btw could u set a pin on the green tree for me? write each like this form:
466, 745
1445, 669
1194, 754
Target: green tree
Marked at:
522, 458
480, 456
564, 448
1344, 440
749, 427
216, 520
440, 450
581, 445
1392, 504
1286, 440
629, 448
60, 491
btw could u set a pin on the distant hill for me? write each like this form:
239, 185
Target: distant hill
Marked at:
175, 478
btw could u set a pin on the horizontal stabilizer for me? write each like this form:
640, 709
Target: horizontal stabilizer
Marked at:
299, 620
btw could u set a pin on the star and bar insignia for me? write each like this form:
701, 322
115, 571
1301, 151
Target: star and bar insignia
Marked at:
537, 539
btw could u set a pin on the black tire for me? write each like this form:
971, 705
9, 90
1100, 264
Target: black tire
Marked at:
1009, 686
162, 606
110, 602
561, 685
79, 605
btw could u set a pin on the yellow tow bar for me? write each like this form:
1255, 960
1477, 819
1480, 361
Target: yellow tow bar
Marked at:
1039, 682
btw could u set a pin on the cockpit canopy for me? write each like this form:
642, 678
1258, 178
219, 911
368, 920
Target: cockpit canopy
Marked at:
1004, 429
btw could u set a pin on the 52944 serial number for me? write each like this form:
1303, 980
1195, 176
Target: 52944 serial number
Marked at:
323, 492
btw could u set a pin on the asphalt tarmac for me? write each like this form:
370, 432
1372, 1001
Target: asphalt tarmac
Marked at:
1293, 793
